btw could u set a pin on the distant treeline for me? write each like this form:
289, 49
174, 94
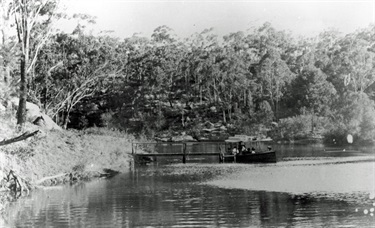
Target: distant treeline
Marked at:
261, 79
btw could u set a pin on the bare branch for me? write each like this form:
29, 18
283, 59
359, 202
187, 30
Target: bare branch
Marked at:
18, 138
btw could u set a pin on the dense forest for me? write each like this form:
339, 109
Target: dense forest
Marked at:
259, 81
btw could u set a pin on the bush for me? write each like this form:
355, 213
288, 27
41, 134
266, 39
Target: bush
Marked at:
336, 135
356, 117
300, 127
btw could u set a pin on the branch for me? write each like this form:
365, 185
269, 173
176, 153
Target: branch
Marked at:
39, 46
33, 18
18, 138
19, 30
55, 66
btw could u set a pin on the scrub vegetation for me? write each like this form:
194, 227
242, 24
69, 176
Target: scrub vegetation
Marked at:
58, 157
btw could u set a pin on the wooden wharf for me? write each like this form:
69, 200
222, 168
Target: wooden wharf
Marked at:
141, 150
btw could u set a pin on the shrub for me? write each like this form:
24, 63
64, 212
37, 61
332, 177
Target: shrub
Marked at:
336, 135
300, 127
356, 116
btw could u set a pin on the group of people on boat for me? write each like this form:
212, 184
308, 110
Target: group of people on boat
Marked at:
243, 150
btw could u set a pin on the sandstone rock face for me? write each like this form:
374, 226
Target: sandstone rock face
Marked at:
35, 116
46, 122
182, 138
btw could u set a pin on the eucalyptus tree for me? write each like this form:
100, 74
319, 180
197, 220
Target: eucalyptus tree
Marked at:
82, 64
357, 61
168, 54
310, 90
270, 66
34, 20
8, 42
202, 47
348, 62
328, 59
234, 66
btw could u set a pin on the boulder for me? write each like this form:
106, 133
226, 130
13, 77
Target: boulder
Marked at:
35, 116
223, 128
182, 138
46, 122
165, 139
32, 110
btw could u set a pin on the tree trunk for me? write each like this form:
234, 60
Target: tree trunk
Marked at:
244, 99
66, 120
224, 117
230, 112
277, 109
235, 109
21, 112
182, 118
66, 117
312, 122
215, 96
200, 94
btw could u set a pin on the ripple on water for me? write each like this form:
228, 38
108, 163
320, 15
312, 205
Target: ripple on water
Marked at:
312, 193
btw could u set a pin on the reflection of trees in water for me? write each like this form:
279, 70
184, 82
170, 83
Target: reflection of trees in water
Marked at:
142, 199
299, 210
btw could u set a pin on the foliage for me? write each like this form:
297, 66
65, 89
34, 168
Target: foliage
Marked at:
243, 80
33, 19
300, 127
356, 116
83, 65
337, 135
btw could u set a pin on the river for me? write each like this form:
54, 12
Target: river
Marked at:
310, 186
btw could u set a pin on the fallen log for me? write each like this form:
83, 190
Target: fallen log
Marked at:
50, 177
18, 138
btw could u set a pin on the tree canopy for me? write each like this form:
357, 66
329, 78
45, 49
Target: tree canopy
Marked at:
163, 82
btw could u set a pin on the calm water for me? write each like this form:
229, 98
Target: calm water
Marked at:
309, 187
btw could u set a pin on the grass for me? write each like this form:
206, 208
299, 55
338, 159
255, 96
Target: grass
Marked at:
54, 152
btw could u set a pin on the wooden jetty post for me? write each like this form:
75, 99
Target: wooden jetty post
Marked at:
184, 153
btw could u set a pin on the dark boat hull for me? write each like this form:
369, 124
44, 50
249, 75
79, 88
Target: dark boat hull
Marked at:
266, 157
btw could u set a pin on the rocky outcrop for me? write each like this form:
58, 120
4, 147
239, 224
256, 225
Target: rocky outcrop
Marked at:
34, 115
182, 138
212, 132
206, 131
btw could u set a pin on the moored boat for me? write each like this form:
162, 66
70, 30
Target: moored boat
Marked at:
238, 150
257, 157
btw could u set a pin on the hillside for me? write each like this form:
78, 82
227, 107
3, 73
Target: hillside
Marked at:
57, 156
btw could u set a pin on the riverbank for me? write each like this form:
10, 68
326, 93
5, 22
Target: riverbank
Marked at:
61, 156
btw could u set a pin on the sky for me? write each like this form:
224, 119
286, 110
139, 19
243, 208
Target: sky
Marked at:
301, 18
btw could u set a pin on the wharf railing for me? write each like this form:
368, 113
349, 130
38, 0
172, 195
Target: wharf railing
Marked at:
148, 149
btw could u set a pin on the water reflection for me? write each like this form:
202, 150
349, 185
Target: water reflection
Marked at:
138, 199
153, 196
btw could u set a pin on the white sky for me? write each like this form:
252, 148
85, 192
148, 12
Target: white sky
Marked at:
304, 17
